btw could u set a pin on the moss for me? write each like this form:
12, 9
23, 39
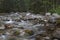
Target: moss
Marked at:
16, 33
30, 32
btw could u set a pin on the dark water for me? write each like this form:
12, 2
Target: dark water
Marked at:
4, 14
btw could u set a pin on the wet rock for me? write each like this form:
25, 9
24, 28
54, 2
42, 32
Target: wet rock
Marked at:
56, 15
46, 38
57, 33
38, 37
8, 26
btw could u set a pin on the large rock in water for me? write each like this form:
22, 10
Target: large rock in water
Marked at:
48, 14
56, 15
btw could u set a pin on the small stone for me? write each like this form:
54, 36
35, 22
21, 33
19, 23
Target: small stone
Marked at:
55, 39
47, 37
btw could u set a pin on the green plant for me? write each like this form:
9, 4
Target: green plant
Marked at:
57, 10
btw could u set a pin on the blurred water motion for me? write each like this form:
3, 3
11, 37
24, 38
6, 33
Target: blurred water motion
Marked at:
18, 23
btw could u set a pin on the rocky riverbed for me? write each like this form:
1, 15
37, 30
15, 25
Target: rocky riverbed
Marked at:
29, 26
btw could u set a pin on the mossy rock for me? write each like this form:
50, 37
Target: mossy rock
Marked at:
58, 20
30, 32
16, 33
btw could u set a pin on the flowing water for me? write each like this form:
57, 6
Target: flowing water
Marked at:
21, 22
